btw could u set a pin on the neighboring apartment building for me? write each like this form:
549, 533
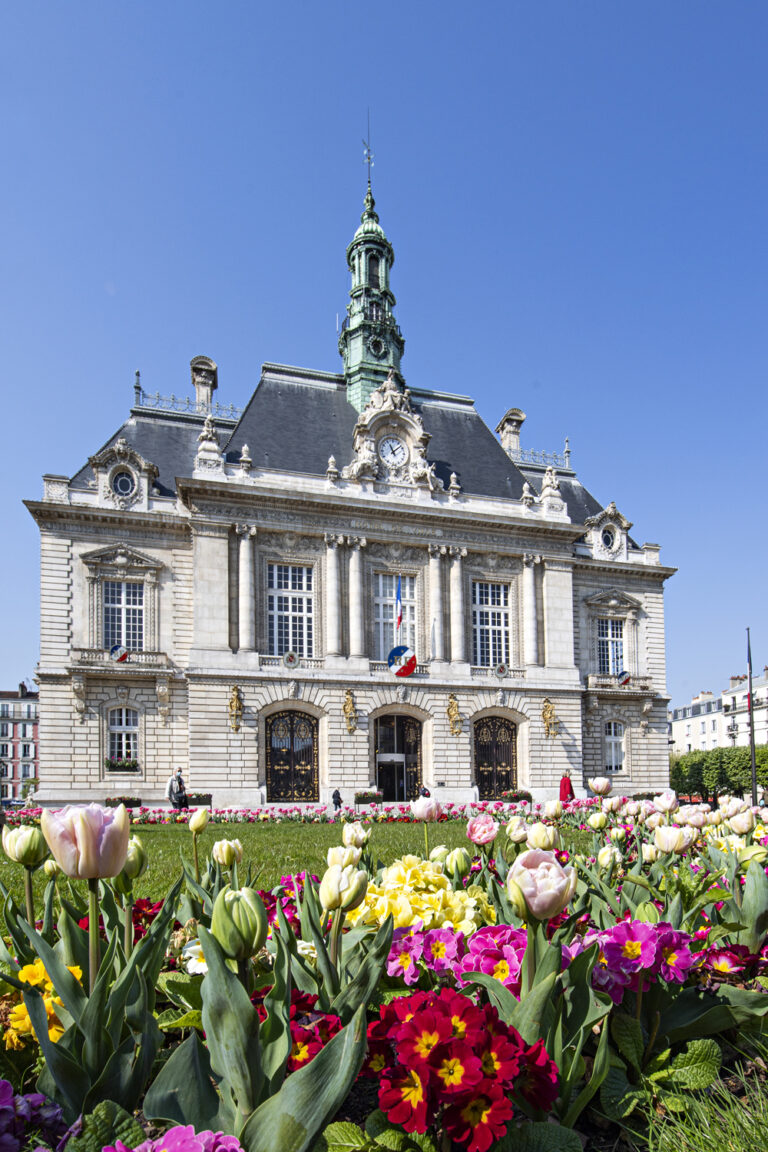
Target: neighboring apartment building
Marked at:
222, 591
18, 742
721, 721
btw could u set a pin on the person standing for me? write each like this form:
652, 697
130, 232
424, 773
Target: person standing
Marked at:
566, 787
176, 790
336, 797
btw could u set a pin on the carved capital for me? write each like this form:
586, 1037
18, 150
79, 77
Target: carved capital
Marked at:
457, 553
531, 558
245, 530
437, 549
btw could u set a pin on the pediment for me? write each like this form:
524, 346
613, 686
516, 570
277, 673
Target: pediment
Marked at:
121, 452
119, 557
610, 514
613, 600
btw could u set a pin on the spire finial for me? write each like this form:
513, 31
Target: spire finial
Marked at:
368, 152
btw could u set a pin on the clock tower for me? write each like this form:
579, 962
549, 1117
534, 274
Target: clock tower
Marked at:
370, 341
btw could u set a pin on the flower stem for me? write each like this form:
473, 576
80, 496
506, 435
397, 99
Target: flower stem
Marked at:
29, 897
639, 999
195, 857
128, 925
93, 932
426, 841
335, 948
530, 953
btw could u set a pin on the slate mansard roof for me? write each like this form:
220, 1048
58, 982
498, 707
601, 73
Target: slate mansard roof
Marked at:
296, 419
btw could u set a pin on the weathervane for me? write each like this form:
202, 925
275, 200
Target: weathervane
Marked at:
368, 152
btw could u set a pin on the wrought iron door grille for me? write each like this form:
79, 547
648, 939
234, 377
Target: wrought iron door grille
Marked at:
495, 756
292, 765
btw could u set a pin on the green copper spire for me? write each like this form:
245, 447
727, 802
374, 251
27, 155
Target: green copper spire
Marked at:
370, 341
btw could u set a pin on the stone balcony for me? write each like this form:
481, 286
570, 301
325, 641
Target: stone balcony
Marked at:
99, 658
602, 683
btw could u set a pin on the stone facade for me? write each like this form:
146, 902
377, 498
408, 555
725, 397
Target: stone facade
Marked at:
219, 591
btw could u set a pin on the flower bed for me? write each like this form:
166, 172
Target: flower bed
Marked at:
480, 998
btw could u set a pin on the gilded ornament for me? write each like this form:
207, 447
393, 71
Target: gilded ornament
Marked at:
454, 716
549, 716
350, 712
235, 708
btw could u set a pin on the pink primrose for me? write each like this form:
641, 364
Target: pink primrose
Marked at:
630, 946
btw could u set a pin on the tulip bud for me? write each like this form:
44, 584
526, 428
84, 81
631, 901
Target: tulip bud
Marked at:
597, 820
543, 837
135, 860
227, 852
553, 809
342, 888
669, 838
618, 835
666, 802
239, 922
354, 835
543, 884
600, 785
343, 856
654, 820
51, 869
516, 898
439, 854
650, 853
198, 821
647, 912
458, 861
517, 830
742, 822
24, 845
608, 856
611, 803
747, 855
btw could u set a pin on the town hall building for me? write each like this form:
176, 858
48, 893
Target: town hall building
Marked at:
353, 582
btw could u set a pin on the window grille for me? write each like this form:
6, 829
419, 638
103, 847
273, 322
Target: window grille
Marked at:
124, 614
610, 647
490, 623
124, 734
290, 609
385, 613
614, 746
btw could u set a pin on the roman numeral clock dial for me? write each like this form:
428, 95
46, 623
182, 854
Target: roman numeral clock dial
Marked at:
393, 451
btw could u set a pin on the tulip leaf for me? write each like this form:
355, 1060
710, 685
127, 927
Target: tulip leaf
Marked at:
600, 1067
72, 944
98, 1045
528, 1017
13, 920
304, 977
48, 910
67, 986
754, 908
360, 990
107, 1124
183, 1091
65, 1071
309, 1098
231, 1028
275, 1032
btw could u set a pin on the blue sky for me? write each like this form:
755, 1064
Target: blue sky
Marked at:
576, 192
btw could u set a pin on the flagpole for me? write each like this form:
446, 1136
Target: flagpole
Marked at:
751, 721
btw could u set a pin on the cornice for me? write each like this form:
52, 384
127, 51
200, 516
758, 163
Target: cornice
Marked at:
46, 512
623, 568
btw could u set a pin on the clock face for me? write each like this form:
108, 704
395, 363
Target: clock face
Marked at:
393, 451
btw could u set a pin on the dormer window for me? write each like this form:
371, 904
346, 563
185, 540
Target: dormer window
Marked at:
123, 482
373, 272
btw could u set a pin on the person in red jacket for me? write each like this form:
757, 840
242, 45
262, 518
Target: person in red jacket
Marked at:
566, 788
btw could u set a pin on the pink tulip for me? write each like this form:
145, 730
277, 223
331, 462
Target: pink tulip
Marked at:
425, 808
482, 829
546, 886
90, 842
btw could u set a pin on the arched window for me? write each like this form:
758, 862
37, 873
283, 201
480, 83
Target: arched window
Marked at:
373, 272
614, 746
123, 734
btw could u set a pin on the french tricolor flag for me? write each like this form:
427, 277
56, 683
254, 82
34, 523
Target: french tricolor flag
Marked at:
398, 607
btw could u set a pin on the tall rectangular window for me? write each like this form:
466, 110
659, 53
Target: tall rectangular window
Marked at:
490, 623
27, 751
124, 614
3, 751
4, 730
385, 613
290, 609
610, 647
124, 734
614, 746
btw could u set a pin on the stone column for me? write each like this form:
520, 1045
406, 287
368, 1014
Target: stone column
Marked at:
332, 596
246, 594
437, 637
356, 598
458, 651
530, 624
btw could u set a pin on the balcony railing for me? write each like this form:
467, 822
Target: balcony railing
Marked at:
636, 684
382, 666
481, 672
185, 404
100, 658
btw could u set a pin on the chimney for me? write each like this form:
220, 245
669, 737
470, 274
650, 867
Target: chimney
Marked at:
508, 429
22, 690
205, 381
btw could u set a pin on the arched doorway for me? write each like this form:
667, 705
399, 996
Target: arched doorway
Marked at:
292, 775
398, 757
495, 756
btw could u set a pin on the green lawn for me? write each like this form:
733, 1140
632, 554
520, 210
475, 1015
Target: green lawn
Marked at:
273, 849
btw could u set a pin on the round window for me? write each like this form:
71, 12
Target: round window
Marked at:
608, 538
123, 483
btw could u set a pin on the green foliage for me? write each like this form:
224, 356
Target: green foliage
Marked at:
107, 1124
720, 770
